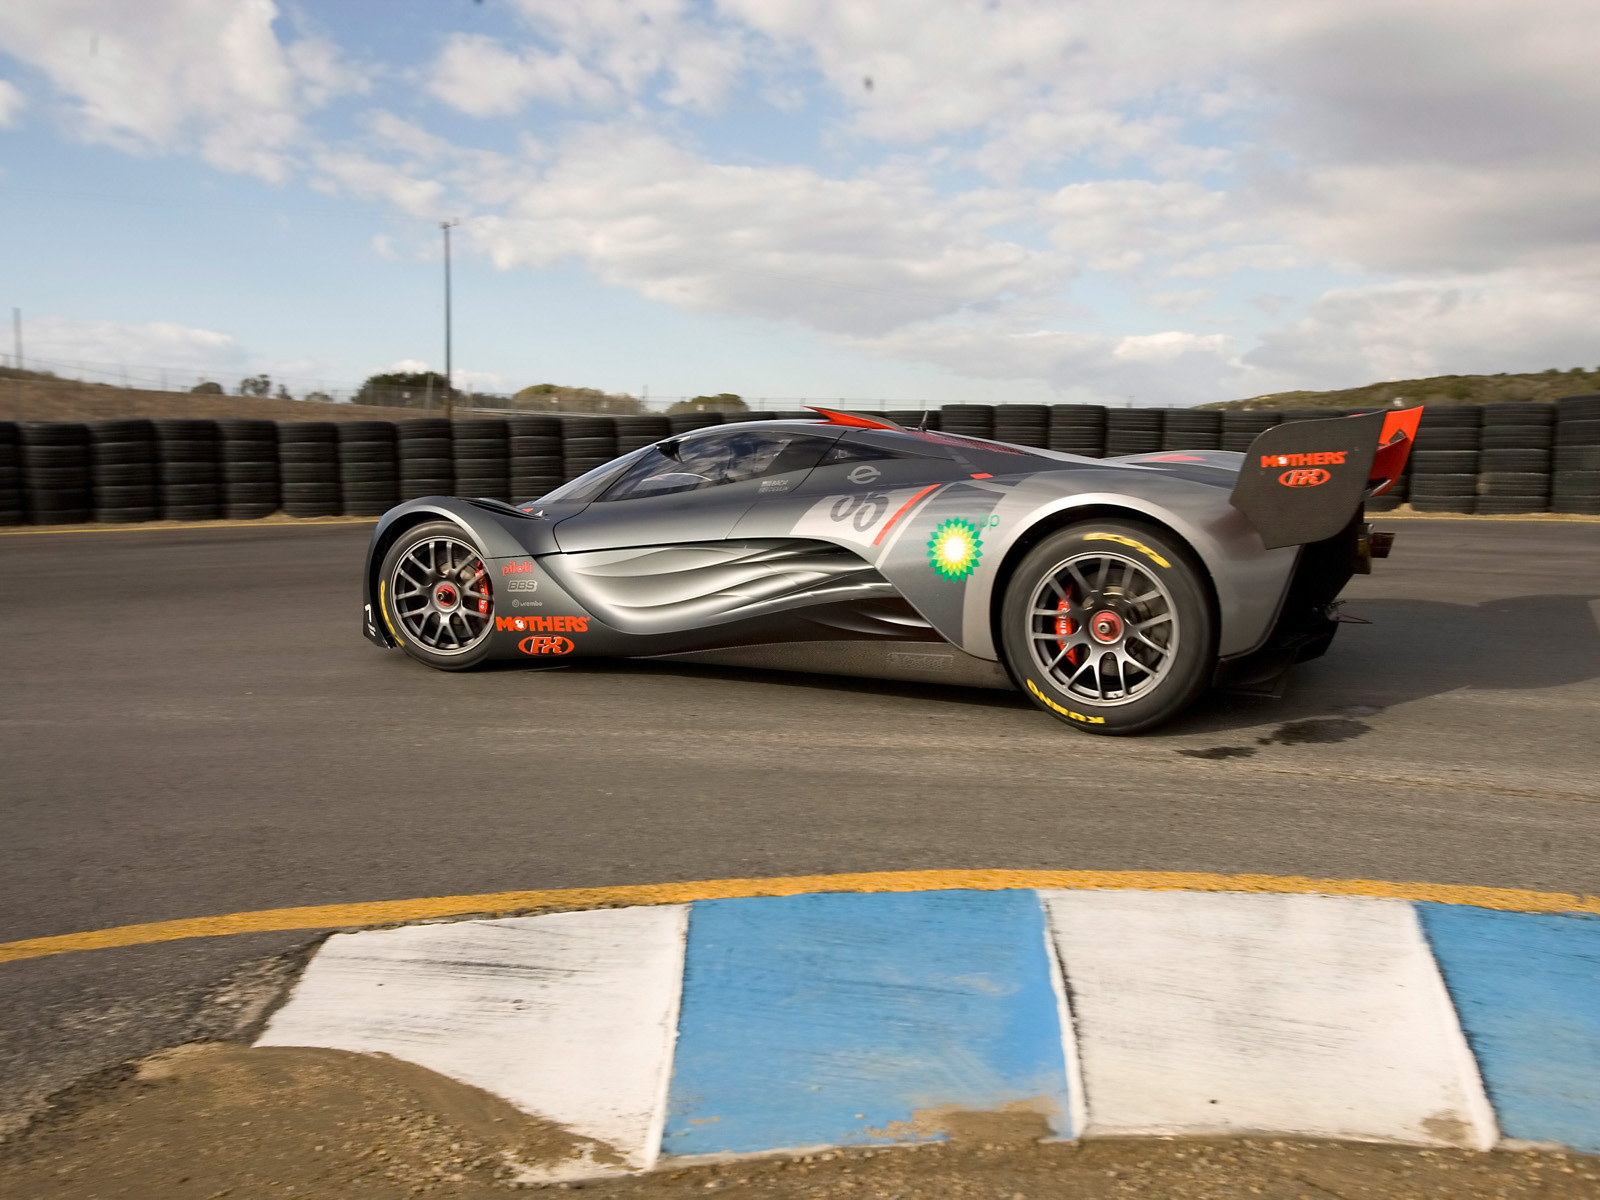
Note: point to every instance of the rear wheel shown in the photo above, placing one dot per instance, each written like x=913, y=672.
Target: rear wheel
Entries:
x=437, y=598
x=1106, y=625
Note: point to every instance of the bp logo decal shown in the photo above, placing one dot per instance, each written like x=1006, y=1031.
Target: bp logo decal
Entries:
x=954, y=548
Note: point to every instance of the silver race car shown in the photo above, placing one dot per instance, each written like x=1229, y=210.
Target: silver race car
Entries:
x=1112, y=592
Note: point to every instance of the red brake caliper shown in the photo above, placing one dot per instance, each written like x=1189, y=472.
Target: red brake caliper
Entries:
x=482, y=582
x=1066, y=627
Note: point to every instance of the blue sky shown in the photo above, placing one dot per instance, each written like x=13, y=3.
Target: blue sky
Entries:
x=1028, y=200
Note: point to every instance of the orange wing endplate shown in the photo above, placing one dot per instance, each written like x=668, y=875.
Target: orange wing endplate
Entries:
x=1394, y=447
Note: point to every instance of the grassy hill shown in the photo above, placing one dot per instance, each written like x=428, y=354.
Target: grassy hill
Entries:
x=1440, y=389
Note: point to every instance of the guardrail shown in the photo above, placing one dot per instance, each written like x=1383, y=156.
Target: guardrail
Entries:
x=1491, y=458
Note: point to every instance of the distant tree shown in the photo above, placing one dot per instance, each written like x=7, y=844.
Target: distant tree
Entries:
x=553, y=397
x=721, y=402
x=207, y=388
x=401, y=389
x=282, y=393
x=255, y=385
x=318, y=398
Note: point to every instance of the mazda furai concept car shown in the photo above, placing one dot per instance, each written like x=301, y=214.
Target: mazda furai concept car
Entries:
x=1111, y=592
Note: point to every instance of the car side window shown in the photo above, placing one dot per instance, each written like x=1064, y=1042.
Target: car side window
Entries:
x=861, y=448
x=710, y=460
x=845, y=450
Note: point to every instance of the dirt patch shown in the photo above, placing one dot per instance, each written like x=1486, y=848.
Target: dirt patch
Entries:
x=204, y=1122
x=213, y=1119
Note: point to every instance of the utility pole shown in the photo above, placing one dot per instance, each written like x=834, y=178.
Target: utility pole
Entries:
x=16, y=337
x=449, y=380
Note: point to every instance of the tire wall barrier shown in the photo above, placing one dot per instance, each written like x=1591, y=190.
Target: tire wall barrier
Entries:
x=1493, y=458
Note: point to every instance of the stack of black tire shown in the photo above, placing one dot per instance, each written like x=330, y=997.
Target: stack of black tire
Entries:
x=123, y=454
x=1191, y=429
x=1443, y=467
x=1078, y=429
x=587, y=443
x=635, y=432
x=1240, y=427
x=13, y=499
x=308, y=458
x=536, y=466
x=967, y=420
x=55, y=471
x=684, y=422
x=369, y=468
x=1576, y=478
x=1514, y=458
x=188, y=458
x=1022, y=424
x=425, y=464
x=480, y=448
x=249, y=456
x=1132, y=431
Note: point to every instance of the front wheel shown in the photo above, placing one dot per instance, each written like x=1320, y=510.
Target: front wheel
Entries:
x=436, y=596
x=1107, y=626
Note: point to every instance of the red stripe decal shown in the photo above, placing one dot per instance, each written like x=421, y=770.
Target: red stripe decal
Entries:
x=889, y=524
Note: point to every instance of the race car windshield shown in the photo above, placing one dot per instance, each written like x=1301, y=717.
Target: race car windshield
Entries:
x=710, y=460
x=591, y=483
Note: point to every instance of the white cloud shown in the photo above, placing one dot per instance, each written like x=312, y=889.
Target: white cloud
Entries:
x=1118, y=224
x=368, y=177
x=1442, y=156
x=102, y=350
x=1410, y=330
x=12, y=102
x=593, y=53
x=859, y=254
x=209, y=76
x=1167, y=368
x=478, y=76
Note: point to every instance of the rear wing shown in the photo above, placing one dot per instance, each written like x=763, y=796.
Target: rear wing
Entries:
x=1303, y=481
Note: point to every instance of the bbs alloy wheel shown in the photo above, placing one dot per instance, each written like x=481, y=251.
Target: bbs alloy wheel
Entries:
x=1107, y=626
x=437, y=597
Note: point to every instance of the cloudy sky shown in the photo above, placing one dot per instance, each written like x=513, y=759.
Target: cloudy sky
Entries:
x=1154, y=201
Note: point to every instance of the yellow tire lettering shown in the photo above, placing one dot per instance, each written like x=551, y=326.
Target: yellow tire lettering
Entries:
x=1065, y=712
x=1127, y=541
x=383, y=607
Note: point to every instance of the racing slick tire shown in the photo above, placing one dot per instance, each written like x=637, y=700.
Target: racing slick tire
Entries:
x=436, y=596
x=1108, y=626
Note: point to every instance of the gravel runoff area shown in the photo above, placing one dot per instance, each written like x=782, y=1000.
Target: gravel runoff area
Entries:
x=213, y=1120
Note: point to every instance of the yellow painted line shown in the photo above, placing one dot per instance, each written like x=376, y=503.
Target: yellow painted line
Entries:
x=391, y=912
x=164, y=526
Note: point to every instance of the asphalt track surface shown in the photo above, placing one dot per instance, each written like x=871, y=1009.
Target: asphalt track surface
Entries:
x=193, y=725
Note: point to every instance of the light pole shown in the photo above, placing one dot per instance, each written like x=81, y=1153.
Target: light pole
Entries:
x=449, y=384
